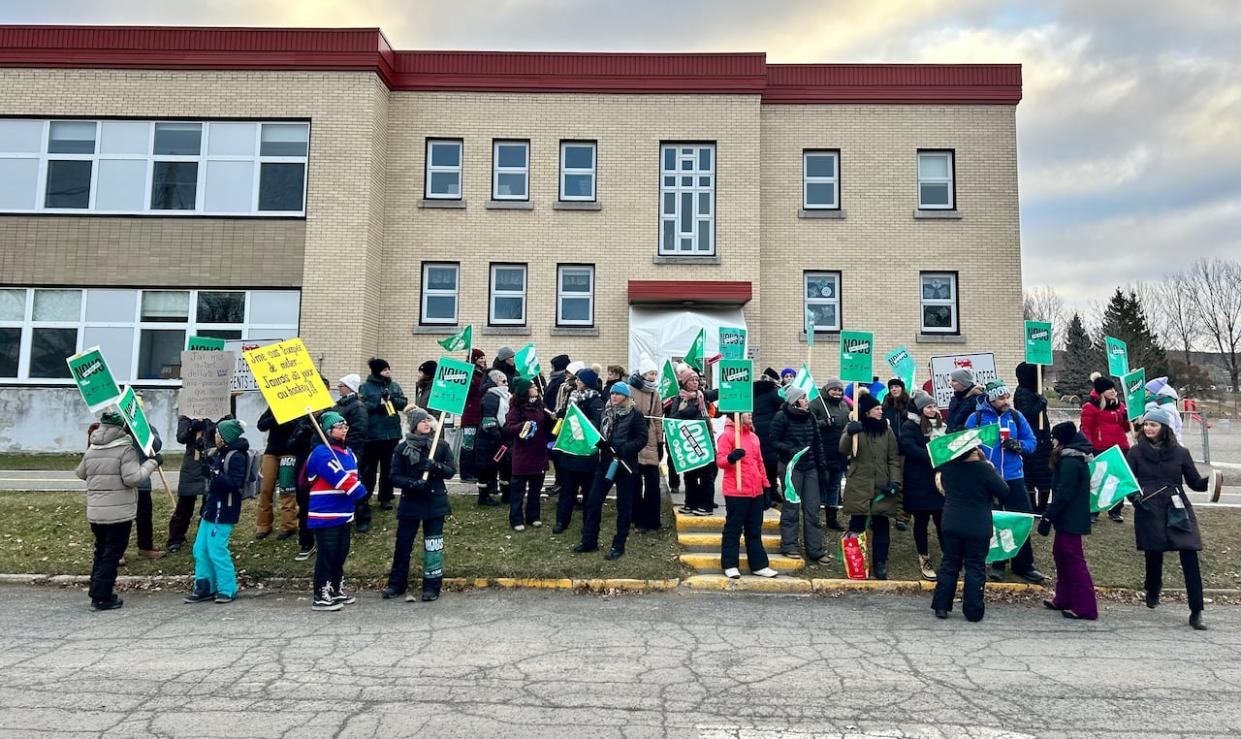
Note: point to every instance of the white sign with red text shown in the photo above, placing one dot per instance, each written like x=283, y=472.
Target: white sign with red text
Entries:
x=982, y=365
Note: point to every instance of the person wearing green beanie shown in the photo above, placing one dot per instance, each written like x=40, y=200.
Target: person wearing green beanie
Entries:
x=330, y=420
x=215, y=577
x=335, y=489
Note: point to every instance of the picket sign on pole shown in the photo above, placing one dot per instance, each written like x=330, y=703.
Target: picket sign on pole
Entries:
x=857, y=400
x=435, y=441
x=310, y=415
x=167, y=489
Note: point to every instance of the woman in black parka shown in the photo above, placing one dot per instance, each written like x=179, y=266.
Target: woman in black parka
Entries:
x=1037, y=464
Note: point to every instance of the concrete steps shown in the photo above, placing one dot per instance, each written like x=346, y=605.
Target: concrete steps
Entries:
x=700, y=537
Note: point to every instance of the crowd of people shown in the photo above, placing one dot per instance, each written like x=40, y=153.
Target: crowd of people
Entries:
x=859, y=462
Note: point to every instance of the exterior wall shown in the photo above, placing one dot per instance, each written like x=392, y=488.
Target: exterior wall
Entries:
x=879, y=247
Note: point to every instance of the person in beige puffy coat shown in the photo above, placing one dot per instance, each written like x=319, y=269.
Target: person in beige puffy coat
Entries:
x=112, y=473
x=645, y=384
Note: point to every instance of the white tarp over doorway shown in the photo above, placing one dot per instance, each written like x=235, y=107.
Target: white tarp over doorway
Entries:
x=666, y=333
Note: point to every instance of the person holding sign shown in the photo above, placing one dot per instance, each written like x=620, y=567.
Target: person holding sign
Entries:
x=831, y=414
x=420, y=474
x=215, y=578
x=529, y=425
x=793, y=430
x=743, y=502
x=1069, y=513
x=971, y=486
x=920, y=497
x=577, y=471
x=384, y=400
x=873, y=482
x=690, y=404
x=1105, y=423
x=624, y=436
x=1163, y=519
x=491, y=454
x=332, y=472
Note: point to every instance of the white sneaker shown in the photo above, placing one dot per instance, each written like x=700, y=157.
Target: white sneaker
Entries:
x=732, y=573
x=766, y=572
x=326, y=605
x=537, y=524
x=519, y=527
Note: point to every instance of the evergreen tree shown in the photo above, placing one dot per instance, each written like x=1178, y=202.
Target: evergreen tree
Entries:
x=1080, y=359
x=1125, y=319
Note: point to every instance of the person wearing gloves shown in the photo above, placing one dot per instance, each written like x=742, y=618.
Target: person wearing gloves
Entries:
x=1105, y=424
x=492, y=459
x=1163, y=518
x=645, y=388
x=578, y=471
x=873, y=480
x=793, y=430
x=971, y=486
x=424, y=383
x=832, y=415
x=624, y=436
x=1069, y=513
x=743, y=503
x=384, y=401
x=1037, y=464
x=966, y=395
x=921, y=498
x=197, y=435
x=690, y=404
x=332, y=474
x=1016, y=439
x=767, y=403
x=112, y=472
x=215, y=578
x=529, y=425
x=420, y=474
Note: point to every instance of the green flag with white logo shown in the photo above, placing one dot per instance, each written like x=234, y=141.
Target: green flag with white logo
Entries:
x=578, y=435
x=527, y=361
x=668, y=383
x=1008, y=532
x=805, y=381
x=689, y=444
x=790, y=490
x=697, y=352
x=459, y=342
x=1110, y=480
x=950, y=446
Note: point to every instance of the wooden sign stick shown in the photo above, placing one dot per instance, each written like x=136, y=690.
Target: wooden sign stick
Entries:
x=737, y=445
x=435, y=440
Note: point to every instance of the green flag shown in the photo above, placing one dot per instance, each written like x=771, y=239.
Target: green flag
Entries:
x=451, y=386
x=1117, y=356
x=578, y=435
x=136, y=419
x=1110, y=479
x=950, y=446
x=1008, y=532
x=1038, y=342
x=689, y=444
x=460, y=342
x=790, y=490
x=668, y=383
x=857, y=352
x=805, y=381
x=697, y=351
x=1133, y=385
x=527, y=361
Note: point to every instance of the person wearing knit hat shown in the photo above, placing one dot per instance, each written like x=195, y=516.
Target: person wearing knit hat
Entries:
x=960, y=378
x=831, y=413
x=919, y=496
x=230, y=430
x=424, y=383
x=471, y=416
x=965, y=396
x=112, y=418
x=770, y=373
x=560, y=362
x=560, y=375
x=873, y=480
x=1105, y=423
x=1069, y=513
x=384, y=401
x=624, y=435
x=492, y=459
x=787, y=374
x=895, y=406
x=793, y=429
x=505, y=352
x=506, y=362
x=529, y=425
x=792, y=394
x=1161, y=415
x=1030, y=402
x=335, y=489
x=620, y=388
x=690, y=404
x=353, y=409
x=330, y=420
x=644, y=390
x=577, y=472
x=215, y=577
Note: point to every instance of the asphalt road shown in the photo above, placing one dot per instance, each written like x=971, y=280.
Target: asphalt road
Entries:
x=529, y=663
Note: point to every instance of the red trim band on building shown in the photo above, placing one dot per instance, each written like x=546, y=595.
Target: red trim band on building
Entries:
x=367, y=50
x=664, y=292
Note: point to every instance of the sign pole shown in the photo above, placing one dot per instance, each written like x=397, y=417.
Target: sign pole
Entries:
x=327, y=443
x=1039, y=387
x=171, y=498
x=737, y=445
x=435, y=441
x=857, y=401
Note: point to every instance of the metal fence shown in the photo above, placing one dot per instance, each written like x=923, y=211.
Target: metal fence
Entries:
x=1195, y=428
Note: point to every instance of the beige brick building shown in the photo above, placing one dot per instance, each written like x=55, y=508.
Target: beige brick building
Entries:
x=252, y=184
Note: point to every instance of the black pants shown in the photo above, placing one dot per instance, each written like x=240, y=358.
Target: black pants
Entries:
x=377, y=456
x=743, y=515
x=771, y=492
x=1018, y=501
x=179, y=523
x=332, y=547
x=922, y=520
x=674, y=480
x=572, y=482
x=592, y=516
x=465, y=460
x=497, y=475
x=305, y=534
x=110, y=542
x=968, y=553
x=1189, y=566
x=648, y=509
x=699, y=492
x=144, y=523
x=525, y=494
x=432, y=554
x=880, y=537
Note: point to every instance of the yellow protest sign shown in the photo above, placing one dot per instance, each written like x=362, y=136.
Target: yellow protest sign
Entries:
x=288, y=379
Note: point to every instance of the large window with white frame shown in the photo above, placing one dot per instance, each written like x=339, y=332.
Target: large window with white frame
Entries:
x=687, y=199
x=939, y=303
x=821, y=179
x=443, y=169
x=439, y=292
x=575, y=295
x=510, y=170
x=577, y=170
x=821, y=292
x=508, y=295
x=143, y=167
x=141, y=332
x=936, y=175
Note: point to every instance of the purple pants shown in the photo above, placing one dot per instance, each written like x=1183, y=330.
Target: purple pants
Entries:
x=1074, y=586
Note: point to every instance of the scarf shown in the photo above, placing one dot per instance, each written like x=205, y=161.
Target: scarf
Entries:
x=613, y=413
x=501, y=393
x=695, y=396
x=417, y=447
x=650, y=385
x=577, y=397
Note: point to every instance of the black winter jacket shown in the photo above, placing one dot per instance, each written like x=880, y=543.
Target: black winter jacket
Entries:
x=832, y=417
x=627, y=437
x=970, y=489
x=279, y=435
x=767, y=404
x=1069, y=509
x=198, y=436
x=223, y=503
x=422, y=499
x=919, y=489
x=354, y=411
x=1159, y=471
x=1033, y=406
x=795, y=429
x=961, y=406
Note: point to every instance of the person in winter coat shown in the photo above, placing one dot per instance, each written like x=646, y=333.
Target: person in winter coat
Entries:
x=971, y=486
x=560, y=374
x=506, y=362
x=1105, y=424
x=1016, y=439
x=578, y=471
x=112, y=472
x=767, y=404
x=895, y=406
x=644, y=384
x=832, y=415
x=385, y=400
x=1163, y=519
x=277, y=458
x=214, y=575
x=196, y=434
x=1037, y=464
x=302, y=444
x=1069, y=513
x=529, y=425
x=690, y=404
x=353, y=409
x=873, y=480
x=335, y=489
x=492, y=459
x=793, y=430
x=743, y=504
x=422, y=386
x=471, y=416
x=624, y=436
x=966, y=395
x=921, y=498
x=420, y=474
x=1160, y=393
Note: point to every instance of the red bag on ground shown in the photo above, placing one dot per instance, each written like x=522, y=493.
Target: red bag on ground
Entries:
x=853, y=554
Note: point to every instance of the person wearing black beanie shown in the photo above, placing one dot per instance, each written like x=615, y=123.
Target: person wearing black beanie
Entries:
x=1031, y=404
x=1069, y=513
x=384, y=401
x=873, y=479
x=422, y=387
x=1105, y=424
x=895, y=405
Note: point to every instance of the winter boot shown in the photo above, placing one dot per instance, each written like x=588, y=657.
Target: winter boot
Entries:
x=484, y=496
x=833, y=521
x=202, y=592
x=505, y=491
x=924, y=564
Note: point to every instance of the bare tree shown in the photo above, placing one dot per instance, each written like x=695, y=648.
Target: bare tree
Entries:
x=1175, y=316
x=1043, y=303
x=1214, y=287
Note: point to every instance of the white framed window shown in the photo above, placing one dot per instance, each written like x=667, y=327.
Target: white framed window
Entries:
x=939, y=304
x=821, y=179
x=443, y=180
x=508, y=295
x=575, y=295
x=577, y=170
x=510, y=178
x=687, y=199
x=141, y=332
x=821, y=292
x=144, y=167
x=439, y=292
x=936, y=188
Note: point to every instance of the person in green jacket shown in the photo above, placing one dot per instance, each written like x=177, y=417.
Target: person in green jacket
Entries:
x=874, y=478
x=384, y=402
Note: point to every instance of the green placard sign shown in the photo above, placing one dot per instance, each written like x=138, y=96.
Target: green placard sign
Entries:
x=732, y=342
x=950, y=446
x=1134, y=385
x=903, y=366
x=204, y=344
x=1110, y=480
x=689, y=444
x=1038, y=342
x=94, y=379
x=1009, y=532
x=1117, y=356
x=857, y=354
x=736, y=386
x=135, y=418
x=451, y=386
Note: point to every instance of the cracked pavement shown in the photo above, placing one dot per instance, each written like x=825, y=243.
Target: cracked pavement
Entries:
x=550, y=664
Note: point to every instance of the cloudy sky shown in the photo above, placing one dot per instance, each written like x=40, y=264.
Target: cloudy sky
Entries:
x=1130, y=130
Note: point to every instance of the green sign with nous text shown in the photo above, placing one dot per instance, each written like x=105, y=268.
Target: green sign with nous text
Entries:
x=732, y=342
x=204, y=344
x=736, y=386
x=135, y=418
x=1117, y=356
x=451, y=386
x=903, y=365
x=1134, y=385
x=94, y=379
x=857, y=354
x=1038, y=342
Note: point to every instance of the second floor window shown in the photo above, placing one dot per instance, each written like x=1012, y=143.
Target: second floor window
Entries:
x=508, y=295
x=577, y=170
x=511, y=164
x=935, y=181
x=443, y=169
x=687, y=199
x=820, y=180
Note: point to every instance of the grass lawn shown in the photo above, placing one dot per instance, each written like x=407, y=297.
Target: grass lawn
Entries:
x=61, y=462
x=47, y=533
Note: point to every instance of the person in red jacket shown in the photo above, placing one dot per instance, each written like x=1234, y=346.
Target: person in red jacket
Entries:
x=744, y=505
x=1105, y=423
